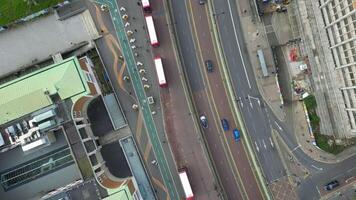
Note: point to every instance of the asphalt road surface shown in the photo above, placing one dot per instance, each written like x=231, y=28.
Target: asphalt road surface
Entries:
x=252, y=107
x=256, y=119
x=183, y=135
x=209, y=94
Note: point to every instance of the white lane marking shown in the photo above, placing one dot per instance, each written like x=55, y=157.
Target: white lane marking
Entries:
x=240, y=100
x=318, y=168
x=238, y=44
x=264, y=144
x=270, y=140
x=351, y=169
x=318, y=190
x=258, y=149
x=280, y=128
x=295, y=148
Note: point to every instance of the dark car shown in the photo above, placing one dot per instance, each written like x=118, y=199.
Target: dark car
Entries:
x=202, y=2
x=225, y=124
x=203, y=121
x=331, y=185
x=209, y=65
x=236, y=134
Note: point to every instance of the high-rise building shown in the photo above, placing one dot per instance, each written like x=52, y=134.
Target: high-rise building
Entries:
x=335, y=80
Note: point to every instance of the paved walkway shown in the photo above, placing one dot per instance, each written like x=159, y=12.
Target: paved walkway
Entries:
x=305, y=140
x=346, y=192
x=256, y=38
x=297, y=118
x=282, y=190
x=163, y=165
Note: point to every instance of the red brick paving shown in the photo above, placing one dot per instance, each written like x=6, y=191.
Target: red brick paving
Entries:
x=283, y=190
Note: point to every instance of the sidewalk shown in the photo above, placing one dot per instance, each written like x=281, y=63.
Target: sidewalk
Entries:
x=295, y=107
x=256, y=38
x=345, y=192
x=305, y=140
x=285, y=187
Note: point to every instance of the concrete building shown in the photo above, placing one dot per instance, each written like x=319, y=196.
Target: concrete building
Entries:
x=333, y=47
x=45, y=135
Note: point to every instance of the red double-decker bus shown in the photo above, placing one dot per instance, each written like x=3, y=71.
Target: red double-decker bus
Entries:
x=186, y=184
x=146, y=5
x=151, y=31
x=160, y=71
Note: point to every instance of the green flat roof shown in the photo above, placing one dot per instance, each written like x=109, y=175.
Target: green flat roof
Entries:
x=27, y=94
x=121, y=193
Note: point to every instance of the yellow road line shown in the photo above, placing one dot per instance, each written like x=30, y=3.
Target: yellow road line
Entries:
x=238, y=179
x=257, y=170
x=231, y=103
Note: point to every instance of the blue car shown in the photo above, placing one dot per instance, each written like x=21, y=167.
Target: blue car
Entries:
x=236, y=134
x=225, y=124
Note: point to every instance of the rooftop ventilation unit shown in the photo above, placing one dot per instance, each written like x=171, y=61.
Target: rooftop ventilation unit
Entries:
x=44, y=116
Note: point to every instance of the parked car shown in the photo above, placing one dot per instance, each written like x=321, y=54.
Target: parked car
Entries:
x=225, y=124
x=209, y=65
x=236, y=134
x=202, y=2
x=203, y=121
x=331, y=185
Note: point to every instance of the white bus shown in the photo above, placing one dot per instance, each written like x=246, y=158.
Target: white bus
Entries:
x=146, y=5
x=151, y=31
x=186, y=184
x=160, y=72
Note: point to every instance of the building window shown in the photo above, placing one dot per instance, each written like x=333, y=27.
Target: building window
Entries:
x=89, y=78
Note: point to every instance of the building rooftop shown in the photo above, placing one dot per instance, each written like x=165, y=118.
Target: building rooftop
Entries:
x=34, y=119
x=38, y=39
x=32, y=91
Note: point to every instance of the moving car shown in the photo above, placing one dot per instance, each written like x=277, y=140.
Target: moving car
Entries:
x=225, y=124
x=203, y=121
x=236, y=134
x=209, y=65
x=331, y=185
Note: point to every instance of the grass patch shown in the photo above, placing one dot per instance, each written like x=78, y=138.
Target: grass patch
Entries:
x=100, y=72
x=12, y=10
x=321, y=140
x=314, y=120
x=310, y=102
x=85, y=168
